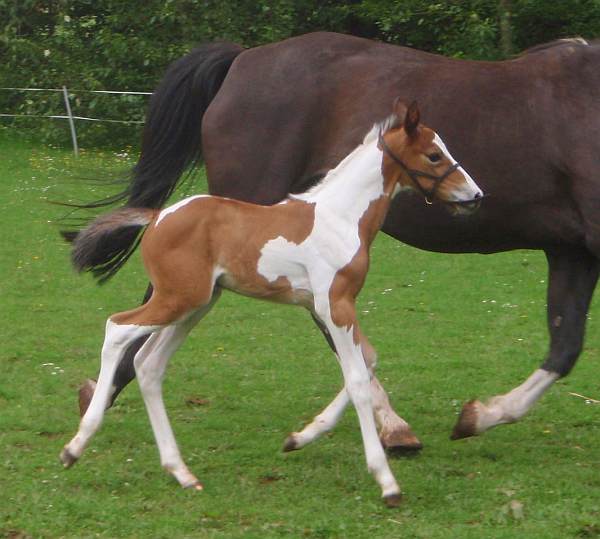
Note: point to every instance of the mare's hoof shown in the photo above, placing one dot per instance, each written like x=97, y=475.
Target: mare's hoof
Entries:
x=393, y=500
x=67, y=458
x=466, y=426
x=401, y=443
x=86, y=391
x=290, y=444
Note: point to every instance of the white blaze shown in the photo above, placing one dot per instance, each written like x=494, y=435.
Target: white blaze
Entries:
x=468, y=191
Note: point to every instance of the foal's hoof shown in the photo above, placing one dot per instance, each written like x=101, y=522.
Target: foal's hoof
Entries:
x=466, y=425
x=290, y=444
x=393, y=500
x=196, y=485
x=67, y=458
x=86, y=391
x=400, y=443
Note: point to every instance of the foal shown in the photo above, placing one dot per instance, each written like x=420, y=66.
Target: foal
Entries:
x=310, y=249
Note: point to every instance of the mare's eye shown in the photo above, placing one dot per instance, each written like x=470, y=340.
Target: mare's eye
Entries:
x=434, y=157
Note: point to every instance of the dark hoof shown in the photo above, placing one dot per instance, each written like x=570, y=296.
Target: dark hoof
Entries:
x=399, y=444
x=393, y=500
x=67, y=458
x=290, y=444
x=86, y=391
x=466, y=426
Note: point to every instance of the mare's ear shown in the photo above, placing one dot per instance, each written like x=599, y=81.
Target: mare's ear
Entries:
x=412, y=119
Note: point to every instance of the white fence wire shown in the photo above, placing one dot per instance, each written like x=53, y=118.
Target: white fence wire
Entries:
x=67, y=103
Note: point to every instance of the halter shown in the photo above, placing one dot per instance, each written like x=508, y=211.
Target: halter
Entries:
x=415, y=174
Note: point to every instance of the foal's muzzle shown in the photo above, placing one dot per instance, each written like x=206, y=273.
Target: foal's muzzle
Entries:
x=461, y=206
x=466, y=207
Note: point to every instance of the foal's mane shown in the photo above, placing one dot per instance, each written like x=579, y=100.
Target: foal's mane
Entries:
x=379, y=128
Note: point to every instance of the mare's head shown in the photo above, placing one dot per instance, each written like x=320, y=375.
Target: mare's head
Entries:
x=415, y=157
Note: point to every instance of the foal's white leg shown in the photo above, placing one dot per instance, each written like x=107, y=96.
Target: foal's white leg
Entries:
x=117, y=339
x=321, y=424
x=395, y=433
x=150, y=365
x=357, y=384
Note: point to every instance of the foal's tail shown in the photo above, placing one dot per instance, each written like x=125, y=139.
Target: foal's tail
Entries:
x=92, y=244
x=171, y=145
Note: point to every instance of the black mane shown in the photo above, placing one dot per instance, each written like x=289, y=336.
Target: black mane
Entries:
x=567, y=41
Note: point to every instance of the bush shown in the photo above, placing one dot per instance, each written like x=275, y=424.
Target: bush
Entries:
x=115, y=45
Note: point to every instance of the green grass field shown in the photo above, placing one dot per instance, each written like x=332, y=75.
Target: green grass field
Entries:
x=447, y=328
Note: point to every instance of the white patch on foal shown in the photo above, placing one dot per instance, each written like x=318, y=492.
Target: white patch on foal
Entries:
x=173, y=208
x=329, y=247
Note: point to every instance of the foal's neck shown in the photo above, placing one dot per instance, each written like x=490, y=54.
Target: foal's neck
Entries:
x=355, y=193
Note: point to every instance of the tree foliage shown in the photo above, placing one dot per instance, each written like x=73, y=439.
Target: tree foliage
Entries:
x=116, y=45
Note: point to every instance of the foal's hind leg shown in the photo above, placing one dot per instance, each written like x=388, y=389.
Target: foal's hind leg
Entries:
x=150, y=365
x=395, y=433
x=116, y=341
x=124, y=373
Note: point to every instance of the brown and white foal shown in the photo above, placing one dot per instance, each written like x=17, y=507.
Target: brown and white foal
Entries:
x=310, y=249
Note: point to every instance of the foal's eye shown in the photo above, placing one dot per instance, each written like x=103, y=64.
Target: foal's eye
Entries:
x=434, y=157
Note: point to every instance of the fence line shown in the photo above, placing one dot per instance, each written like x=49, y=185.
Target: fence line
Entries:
x=64, y=117
x=69, y=116
x=77, y=91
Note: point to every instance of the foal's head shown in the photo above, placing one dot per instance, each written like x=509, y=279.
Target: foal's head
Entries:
x=416, y=158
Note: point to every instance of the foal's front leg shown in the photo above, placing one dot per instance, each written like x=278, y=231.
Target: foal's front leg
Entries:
x=345, y=334
x=395, y=433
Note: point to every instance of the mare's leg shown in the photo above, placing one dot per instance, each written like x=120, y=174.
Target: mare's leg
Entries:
x=124, y=374
x=346, y=338
x=572, y=279
x=395, y=433
x=150, y=365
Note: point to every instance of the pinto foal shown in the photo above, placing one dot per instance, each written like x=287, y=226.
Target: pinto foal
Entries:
x=310, y=249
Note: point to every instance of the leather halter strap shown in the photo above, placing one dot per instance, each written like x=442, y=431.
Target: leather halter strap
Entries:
x=413, y=174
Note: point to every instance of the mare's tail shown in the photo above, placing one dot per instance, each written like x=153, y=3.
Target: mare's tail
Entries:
x=96, y=241
x=171, y=145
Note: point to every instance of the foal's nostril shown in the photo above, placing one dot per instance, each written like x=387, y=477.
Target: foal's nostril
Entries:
x=478, y=195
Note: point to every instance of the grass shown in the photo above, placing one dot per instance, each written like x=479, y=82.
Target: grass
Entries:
x=447, y=328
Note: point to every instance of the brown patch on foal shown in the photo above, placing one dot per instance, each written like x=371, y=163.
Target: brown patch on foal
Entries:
x=240, y=254
x=419, y=146
x=182, y=252
x=349, y=280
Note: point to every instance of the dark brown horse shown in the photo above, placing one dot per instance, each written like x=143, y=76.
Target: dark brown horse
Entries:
x=528, y=129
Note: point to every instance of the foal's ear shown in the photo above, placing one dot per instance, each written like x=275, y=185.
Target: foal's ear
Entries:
x=399, y=109
x=412, y=119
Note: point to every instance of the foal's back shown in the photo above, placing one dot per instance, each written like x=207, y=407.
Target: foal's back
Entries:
x=206, y=240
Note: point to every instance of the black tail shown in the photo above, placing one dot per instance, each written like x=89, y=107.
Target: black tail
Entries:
x=172, y=138
x=97, y=240
x=171, y=144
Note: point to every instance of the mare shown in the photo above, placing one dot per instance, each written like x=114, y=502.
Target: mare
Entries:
x=528, y=128
x=310, y=250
